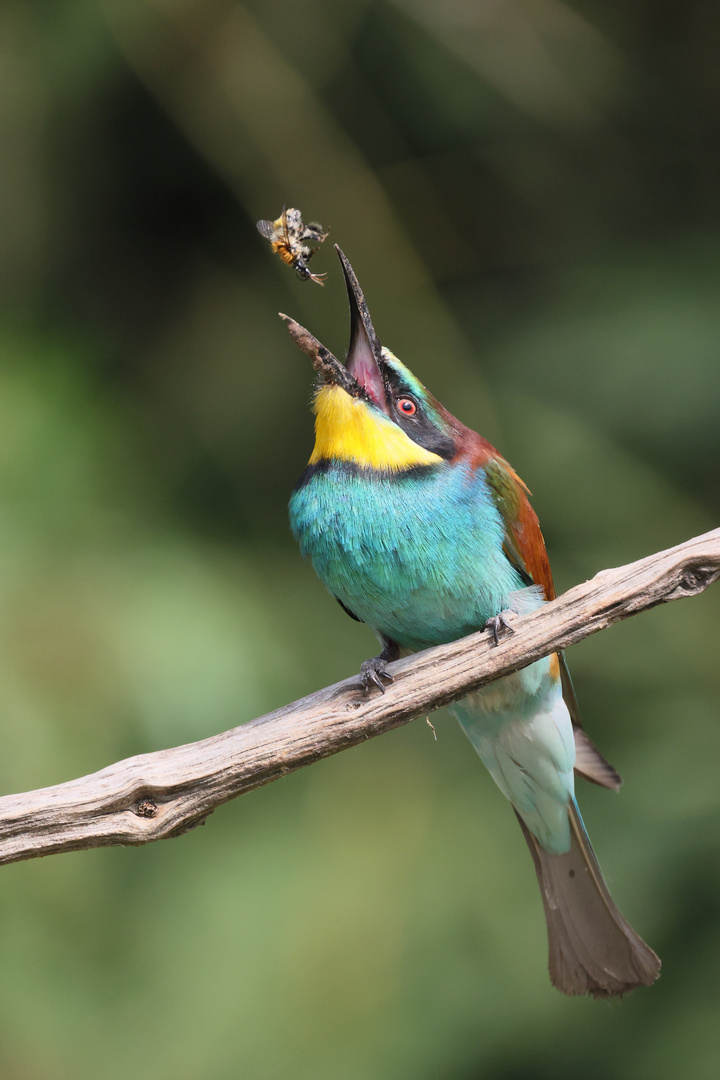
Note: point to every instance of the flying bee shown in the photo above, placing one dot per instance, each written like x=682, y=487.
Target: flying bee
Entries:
x=292, y=241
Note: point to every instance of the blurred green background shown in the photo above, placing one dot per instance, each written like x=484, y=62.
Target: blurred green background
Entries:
x=529, y=193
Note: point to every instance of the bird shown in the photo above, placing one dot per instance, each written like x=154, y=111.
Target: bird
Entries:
x=422, y=530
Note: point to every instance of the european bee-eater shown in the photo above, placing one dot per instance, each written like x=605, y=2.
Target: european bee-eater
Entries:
x=422, y=530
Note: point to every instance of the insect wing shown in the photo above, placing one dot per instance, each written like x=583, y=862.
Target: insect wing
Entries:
x=266, y=229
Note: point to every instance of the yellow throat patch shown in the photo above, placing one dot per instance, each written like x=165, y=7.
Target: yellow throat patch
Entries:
x=348, y=429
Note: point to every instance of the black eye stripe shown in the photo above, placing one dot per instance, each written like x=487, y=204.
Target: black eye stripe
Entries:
x=417, y=425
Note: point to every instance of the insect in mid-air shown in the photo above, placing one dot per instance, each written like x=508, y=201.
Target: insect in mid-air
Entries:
x=291, y=239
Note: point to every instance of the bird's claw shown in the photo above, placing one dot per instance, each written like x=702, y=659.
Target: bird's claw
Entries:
x=372, y=673
x=498, y=625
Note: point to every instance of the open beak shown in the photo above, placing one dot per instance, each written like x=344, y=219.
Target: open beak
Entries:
x=365, y=353
x=361, y=376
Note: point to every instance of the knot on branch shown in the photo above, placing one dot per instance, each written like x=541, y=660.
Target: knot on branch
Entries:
x=146, y=808
x=693, y=580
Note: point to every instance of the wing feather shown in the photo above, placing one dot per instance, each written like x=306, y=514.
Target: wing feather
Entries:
x=524, y=543
x=525, y=548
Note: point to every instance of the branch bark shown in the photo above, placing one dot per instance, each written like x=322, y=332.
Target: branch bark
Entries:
x=164, y=794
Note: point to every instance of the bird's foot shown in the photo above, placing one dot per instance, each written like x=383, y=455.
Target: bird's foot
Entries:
x=372, y=673
x=498, y=626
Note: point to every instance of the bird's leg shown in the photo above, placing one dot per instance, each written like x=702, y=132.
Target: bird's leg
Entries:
x=498, y=626
x=373, y=671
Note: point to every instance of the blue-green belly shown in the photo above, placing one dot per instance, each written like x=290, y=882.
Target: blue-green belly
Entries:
x=420, y=559
x=418, y=556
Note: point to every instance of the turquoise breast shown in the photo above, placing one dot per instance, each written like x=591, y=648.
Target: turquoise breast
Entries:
x=416, y=555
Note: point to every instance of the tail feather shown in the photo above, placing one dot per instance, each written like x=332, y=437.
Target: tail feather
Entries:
x=591, y=764
x=593, y=949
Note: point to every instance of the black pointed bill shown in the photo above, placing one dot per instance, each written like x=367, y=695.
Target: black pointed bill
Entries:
x=333, y=372
x=365, y=352
x=362, y=375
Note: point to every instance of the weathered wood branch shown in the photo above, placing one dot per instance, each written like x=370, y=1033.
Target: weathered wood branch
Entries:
x=164, y=794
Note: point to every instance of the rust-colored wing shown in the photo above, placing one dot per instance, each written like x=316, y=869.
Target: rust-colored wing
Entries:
x=524, y=544
x=525, y=548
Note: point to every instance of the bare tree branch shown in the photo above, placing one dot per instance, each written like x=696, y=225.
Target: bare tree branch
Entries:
x=164, y=794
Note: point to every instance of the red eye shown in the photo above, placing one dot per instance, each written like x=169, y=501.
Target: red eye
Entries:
x=407, y=406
